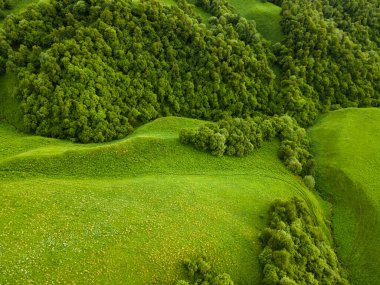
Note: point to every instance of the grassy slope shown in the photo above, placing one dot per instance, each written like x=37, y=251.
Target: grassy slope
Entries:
x=266, y=15
x=347, y=147
x=130, y=211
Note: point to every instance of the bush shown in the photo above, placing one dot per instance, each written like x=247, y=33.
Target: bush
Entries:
x=295, y=249
x=309, y=181
x=240, y=137
x=233, y=136
x=201, y=272
x=2, y=14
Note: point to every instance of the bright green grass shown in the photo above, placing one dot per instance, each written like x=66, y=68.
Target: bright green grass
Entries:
x=129, y=212
x=347, y=149
x=266, y=15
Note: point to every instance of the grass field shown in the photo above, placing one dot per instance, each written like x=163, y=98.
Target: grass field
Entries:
x=346, y=144
x=130, y=211
x=266, y=15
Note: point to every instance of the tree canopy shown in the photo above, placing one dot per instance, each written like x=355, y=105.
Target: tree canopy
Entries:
x=91, y=71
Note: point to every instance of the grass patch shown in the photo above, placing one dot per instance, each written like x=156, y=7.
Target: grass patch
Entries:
x=266, y=15
x=130, y=211
x=346, y=147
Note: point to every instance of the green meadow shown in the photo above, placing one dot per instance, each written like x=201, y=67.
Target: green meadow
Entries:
x=346, y=147
x=130, y=212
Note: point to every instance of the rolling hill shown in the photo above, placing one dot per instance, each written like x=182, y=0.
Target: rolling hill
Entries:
x=129, y=212
x=346, y=147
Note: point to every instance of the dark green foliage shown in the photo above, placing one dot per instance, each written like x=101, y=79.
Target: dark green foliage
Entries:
x=92, y=71
x=296, y=250
x=215, y=7
x=2, y=14
x=230, y=136
x=323, y=66
x=241, y=137
x=360, y=19
x=5, y=5
x=201, y=272
x=295, y=146
x=4, y=49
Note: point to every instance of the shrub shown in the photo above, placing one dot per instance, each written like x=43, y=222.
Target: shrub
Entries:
x=240, y=137
x=295, y=250
x=201, y=272
x=309, y=181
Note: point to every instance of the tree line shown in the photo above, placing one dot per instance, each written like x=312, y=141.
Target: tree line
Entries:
x=91, y=71
x=240, y=137
x=94, y=70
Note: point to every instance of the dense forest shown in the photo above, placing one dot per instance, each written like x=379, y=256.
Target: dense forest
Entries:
x=323, y=66
x=91, y=71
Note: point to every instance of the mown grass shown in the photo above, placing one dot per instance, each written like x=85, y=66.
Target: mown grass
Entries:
x=347, y=147
x=130, y=211
x=266, y=15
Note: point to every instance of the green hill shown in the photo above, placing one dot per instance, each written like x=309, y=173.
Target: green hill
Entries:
x=132, y=210
x=129, y=212
x=346, y=145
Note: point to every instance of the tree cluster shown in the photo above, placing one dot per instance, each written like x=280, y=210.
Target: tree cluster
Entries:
x=233, y=136
x=324, y=66
x=94, y=70
x=359, y=18
x=295, y=148
x=296, y=250
x=201, y=273
x=91, y=71
x=240, y=137
x=4, y=49
x=215, y=7
x=4, y=5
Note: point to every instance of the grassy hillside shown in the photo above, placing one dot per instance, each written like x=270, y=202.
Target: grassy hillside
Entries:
x=346, y=145
x=130, y=211
x=266, y=15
